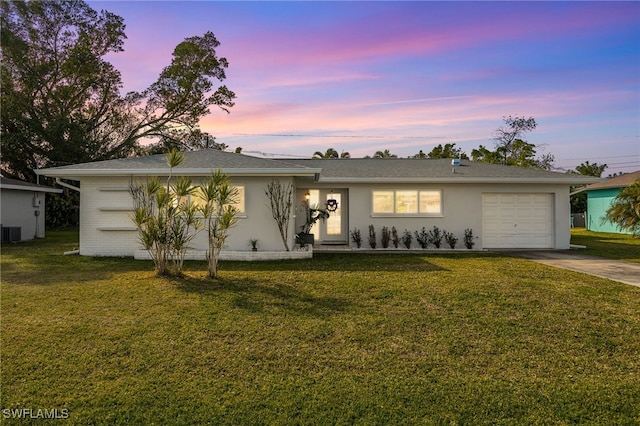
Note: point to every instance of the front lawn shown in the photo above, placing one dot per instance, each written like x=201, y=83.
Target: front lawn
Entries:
x=340, y=339
x=612, y=246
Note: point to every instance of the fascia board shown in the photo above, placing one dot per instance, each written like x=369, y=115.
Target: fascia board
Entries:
x=69, y=173
x=32, y=188
x=549, y=181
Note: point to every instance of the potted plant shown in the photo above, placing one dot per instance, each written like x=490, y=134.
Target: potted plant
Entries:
x=312, y=215
x=254, y=244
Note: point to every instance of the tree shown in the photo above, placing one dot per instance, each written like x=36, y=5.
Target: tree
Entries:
x=219, y=215
x=166, y=218
x=588, y=169
x=182, y=140
x=579, y=200
x=449, y=150
x=625, y=209
x=384, y=154
x=512, y=131
x=281, y=201
x=61, y=100
x=511, y=149
x=331, y=153
x=484, y=155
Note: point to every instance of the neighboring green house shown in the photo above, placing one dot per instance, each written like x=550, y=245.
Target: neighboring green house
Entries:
x=599, y=198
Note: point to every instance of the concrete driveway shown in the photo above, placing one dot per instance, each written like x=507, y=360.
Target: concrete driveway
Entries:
x=628, y=273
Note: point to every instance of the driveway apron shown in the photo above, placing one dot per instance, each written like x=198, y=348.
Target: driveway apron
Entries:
x=628, y=273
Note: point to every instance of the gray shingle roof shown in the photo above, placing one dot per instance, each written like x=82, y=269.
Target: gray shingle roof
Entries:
x=329, y=170
x=419, y=169
x=617, y=182
x=197, y=162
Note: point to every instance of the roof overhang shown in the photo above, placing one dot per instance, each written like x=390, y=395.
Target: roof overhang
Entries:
x=469, y=180
x=32, y=188
x=178, y=171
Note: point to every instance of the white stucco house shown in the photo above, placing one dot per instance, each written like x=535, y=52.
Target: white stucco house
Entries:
x=22, y=209
x=506, y=207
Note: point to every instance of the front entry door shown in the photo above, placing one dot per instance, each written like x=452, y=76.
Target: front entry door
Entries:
x=335, y=229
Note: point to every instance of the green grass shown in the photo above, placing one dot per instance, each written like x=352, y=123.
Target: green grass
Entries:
x=612, y=246
x=339, y=339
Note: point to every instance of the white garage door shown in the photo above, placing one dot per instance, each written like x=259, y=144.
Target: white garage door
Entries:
x=517, y=220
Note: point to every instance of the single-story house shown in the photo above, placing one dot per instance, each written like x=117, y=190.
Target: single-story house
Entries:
x=599, y=198
x=505, y=207
x=23, y=207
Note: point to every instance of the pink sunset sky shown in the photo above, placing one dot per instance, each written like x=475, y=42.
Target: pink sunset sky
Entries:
x=406, y=76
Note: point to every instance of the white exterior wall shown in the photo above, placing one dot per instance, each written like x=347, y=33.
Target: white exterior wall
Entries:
x=107, y=230
x=18, y=210
x=462, y=209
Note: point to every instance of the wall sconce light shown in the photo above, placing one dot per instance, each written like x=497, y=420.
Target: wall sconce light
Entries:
x=307, y=196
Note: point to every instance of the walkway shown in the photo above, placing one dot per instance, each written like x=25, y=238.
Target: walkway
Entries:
x=624, y=272
x=628, y=273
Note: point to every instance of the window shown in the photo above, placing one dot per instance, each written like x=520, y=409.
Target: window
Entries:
x=334, y=222
x=383, y=202
x=430, y=202
x=197, y=199
x=407, y=202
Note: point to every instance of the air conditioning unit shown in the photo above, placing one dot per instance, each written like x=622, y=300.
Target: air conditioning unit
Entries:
x=11, y=233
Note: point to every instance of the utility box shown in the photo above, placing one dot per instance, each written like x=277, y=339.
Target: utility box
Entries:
x=11, y=234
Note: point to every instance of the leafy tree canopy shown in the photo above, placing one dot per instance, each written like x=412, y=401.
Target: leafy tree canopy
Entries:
x=182, y=140
x=588, y=169
x=331, y=153
x=449, y=150
x=384, y=154
x=511, y=149
x=61, y=98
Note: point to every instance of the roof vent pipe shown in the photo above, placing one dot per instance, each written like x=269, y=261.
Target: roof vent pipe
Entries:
x=454, y=162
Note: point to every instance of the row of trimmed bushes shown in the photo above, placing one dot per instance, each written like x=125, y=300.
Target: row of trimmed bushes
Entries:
x=435, y=237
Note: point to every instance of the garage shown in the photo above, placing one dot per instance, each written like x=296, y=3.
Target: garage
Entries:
x=517, y=220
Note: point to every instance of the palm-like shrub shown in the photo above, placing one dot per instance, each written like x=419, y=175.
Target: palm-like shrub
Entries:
x=168, y=220
x=625, y=209
x=219, y=214
x=165, y=217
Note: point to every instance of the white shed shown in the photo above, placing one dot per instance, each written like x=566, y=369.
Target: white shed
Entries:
x=22, y=206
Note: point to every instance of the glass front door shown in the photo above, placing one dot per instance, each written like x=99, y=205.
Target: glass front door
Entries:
x=333, y=230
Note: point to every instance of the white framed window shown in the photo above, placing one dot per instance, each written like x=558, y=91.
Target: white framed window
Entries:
x=383, y=202
x=406, y=202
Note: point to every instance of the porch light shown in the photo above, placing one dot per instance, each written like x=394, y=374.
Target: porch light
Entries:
x=307, y=196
